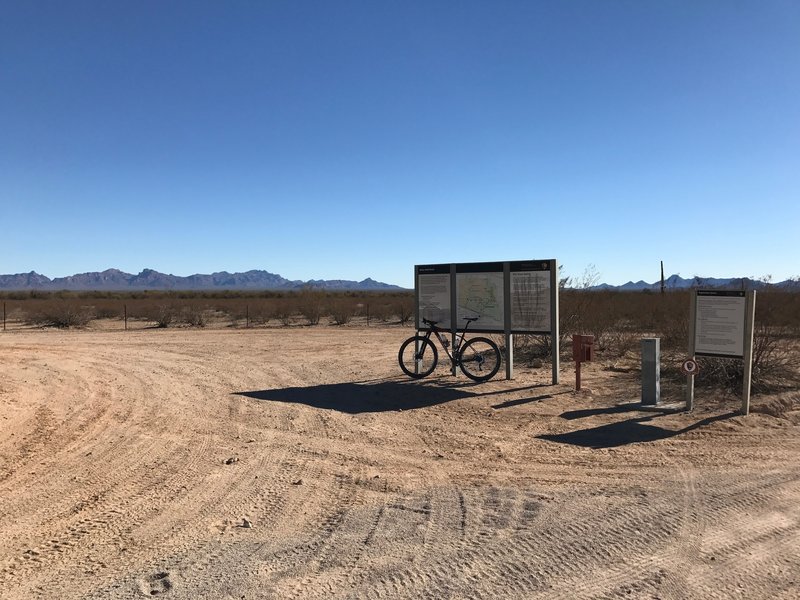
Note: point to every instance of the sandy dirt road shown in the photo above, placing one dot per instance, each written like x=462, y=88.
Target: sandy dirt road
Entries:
x=298, y=463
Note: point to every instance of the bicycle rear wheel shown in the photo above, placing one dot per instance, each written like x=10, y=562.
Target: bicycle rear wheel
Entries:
x=418, y=357
x=480, y=359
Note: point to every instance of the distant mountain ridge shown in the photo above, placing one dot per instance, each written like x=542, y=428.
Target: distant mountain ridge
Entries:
x=676, y=282
x=148, y=279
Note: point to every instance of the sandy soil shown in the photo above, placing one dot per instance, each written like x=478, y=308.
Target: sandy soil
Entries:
x=298, y=463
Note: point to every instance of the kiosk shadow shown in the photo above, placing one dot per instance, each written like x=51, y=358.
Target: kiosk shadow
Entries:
x=357, y=398
x=607, y=410
x=627, y=432
x=519, y=401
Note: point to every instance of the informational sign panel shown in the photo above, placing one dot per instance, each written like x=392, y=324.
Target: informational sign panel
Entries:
x=479, y=295
x=720, y=323
x=530, y=296
x=433, y=295
x=510, y=297
x=502, y=297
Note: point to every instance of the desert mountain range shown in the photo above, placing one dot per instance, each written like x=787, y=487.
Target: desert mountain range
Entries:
x=148, y=279
x=676, y=282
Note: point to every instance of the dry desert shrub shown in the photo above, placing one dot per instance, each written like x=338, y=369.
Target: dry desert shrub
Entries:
x=162, y=314
x=194, y=315
x=618, y=320
x=165, y=314
x=404, y=309
x=310, y=304
x=258, y=313
x=283, y=310
x=622, y=342
x=170, y=314
x=166, y=308
x=236, y=314
x=278, y=309
x=107, y=313
x=342, y=309
x=62, y=314
x=380, y=311
x=530, y=348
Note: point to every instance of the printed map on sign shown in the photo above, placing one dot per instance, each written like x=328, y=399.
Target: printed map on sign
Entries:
x=480, y=295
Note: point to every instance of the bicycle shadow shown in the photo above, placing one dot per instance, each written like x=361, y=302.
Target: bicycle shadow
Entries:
x=364, y=397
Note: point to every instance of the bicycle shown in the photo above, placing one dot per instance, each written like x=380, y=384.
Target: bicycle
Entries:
x=478, y=358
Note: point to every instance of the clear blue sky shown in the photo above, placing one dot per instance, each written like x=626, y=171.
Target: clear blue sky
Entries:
x=338, y=139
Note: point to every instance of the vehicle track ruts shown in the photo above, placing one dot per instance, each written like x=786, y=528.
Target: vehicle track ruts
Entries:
x=116, y=520
x=125, y=489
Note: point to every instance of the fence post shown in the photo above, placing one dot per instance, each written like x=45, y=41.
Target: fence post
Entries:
x=247, y=316
x=4, y=316
x=125, y=312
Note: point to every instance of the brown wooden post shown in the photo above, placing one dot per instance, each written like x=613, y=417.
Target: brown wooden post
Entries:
x=125, y=313
x=578, y=376
x=4, y=316
x=247, y=316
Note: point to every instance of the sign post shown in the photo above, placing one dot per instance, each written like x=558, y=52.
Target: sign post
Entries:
x=750, y=320
x=690, y=376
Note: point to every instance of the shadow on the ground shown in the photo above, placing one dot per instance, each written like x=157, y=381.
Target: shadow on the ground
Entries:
x=622, y=433
x=365, y=397
x=606, y=410
x=518, y=401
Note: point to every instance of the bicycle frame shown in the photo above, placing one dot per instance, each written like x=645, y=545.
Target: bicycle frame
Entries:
x=440, y=333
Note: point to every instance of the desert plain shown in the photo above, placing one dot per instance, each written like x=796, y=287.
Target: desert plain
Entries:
x=298, y=463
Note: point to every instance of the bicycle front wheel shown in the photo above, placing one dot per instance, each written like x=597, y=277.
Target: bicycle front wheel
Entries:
x=418, y=357
x=480, y=359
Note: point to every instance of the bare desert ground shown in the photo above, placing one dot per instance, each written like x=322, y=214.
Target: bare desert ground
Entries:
x=298, y=463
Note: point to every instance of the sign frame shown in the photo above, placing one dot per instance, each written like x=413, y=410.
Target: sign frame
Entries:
x=747, y=315
x=720, y=323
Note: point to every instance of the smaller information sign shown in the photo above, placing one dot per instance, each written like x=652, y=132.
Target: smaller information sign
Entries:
x=720, y=323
